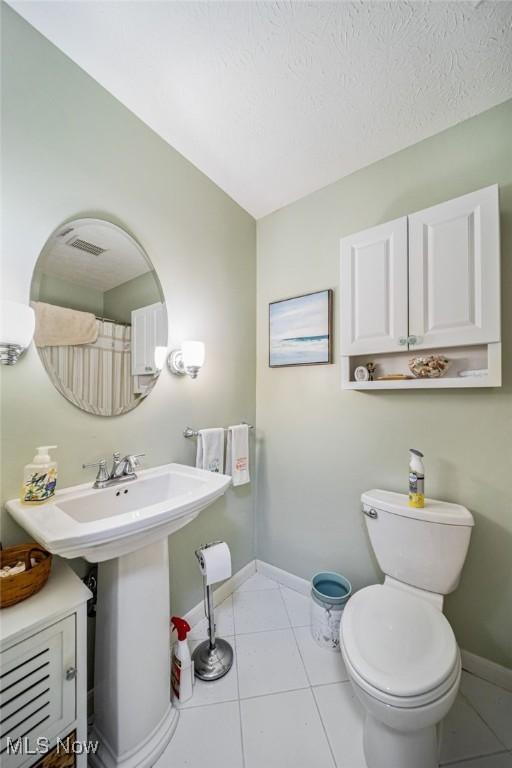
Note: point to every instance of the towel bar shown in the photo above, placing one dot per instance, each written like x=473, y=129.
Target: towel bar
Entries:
x=189, y=432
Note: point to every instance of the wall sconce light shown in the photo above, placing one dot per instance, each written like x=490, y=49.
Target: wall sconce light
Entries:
x=187, y=360
x=17, y=324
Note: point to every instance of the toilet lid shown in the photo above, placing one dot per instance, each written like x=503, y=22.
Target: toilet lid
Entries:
x=397, y=642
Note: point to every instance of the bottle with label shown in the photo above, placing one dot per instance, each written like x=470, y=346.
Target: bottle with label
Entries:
x=39, y=477
x=416, y=479
x=182, y=667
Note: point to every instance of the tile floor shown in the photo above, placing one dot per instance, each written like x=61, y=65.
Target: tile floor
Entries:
x=286, y=703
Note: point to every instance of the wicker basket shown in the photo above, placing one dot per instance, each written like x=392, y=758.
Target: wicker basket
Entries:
x=14, y=589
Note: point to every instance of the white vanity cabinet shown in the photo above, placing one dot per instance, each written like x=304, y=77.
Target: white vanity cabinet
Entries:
x=43, y=673
x=425, y=283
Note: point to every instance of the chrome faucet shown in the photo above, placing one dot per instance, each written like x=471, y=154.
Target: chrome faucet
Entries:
x=123, y=469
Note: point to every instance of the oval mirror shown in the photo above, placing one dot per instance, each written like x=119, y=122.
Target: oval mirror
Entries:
x=101, y=320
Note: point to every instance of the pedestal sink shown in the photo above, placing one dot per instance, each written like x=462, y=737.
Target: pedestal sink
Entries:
x=125, y=528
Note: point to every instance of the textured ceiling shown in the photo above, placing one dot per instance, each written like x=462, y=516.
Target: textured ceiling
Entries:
x=122, y=259
x=273, y=100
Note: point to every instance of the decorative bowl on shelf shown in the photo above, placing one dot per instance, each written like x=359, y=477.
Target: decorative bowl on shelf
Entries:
x=428, y=366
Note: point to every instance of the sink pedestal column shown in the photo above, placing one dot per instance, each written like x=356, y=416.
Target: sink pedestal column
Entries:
x=134, y=718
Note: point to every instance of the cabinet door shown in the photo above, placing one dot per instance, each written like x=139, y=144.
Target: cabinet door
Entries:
x=374, y=289
x=454, y=271
x=37, y=690
x=148, y=332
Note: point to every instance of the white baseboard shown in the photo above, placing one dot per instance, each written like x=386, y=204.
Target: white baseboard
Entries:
x=196, y=614
x=228, y=587
x=283, y=577
x=487, y=670
x=477, y=665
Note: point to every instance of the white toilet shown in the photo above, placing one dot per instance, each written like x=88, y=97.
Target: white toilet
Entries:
x=399, y=649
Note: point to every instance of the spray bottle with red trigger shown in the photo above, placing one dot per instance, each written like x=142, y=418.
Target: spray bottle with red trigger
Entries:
x=182, y=668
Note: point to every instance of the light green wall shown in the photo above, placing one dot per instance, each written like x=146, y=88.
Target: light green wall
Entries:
x=71, y=150
x=139, y=292
x=322, y=447
x=116, y=304
x=53, y=290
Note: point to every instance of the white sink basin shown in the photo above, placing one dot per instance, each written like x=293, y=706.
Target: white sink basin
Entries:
x=125, y=528
x=103, y=524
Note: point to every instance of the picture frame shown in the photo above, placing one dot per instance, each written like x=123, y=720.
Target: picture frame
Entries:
x=301, y=330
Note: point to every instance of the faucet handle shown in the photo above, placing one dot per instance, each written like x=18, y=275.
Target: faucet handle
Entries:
x=102, y=469
x=134, y=459
x=116, y=455
x=100, y=463
x=132, y=462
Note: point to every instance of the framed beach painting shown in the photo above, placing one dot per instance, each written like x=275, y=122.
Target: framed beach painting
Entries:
x=300, y=330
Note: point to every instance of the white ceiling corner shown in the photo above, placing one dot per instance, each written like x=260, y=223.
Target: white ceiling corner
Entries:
x=273, y=100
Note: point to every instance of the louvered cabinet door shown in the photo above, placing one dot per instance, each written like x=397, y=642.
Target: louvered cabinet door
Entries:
x=37, y=690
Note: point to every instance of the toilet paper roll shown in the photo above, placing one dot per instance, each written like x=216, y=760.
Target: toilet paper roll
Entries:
x=215, y=562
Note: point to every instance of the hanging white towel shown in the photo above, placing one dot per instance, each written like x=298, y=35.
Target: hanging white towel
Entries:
x=59, y=326
x=210, y=449
x=237, y=454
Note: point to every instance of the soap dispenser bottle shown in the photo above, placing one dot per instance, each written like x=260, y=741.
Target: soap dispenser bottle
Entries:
x=416, y=479
x=39, y=477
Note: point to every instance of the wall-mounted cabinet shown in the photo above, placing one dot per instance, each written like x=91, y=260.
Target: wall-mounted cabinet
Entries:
x=427, y=283
x=149, y=330
x=374, y=289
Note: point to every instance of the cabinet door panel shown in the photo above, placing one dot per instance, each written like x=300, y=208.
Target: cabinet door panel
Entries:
x=454, y=271
x=374, y=289
x=139, y=321
x=148, y=332
x=36, y=697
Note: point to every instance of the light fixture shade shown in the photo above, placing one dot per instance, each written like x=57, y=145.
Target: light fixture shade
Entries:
x=17, y=324
x=193, y=354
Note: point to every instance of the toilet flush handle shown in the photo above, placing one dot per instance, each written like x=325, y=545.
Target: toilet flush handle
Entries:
x=371, y=513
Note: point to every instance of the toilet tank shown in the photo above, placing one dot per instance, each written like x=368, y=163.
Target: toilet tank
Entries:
x=422, y=547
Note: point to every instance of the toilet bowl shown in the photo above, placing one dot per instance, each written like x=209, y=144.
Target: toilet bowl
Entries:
x=404, y=666
x=399, y=649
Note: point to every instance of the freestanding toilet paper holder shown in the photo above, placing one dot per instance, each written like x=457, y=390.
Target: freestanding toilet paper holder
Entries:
x=212, y=658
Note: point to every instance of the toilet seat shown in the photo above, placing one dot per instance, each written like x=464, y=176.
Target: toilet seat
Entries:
x=405, y=702
x=398, y=647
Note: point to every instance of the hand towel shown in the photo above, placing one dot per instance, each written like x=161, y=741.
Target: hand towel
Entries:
x=62, y=327
x=237, y=454
x=210, y=449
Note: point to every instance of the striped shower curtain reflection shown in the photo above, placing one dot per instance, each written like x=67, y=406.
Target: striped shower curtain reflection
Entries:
x=95, y=377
